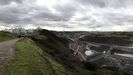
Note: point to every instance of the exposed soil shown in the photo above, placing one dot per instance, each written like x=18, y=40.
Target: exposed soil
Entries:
x=7, y=50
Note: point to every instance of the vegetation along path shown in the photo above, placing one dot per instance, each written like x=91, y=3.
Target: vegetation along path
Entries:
x=7, y=50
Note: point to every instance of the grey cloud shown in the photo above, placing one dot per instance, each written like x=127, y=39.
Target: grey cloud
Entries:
x=119, y=19
x=48, y=16
x=5, y=2
x=8, y=17
x=102, y=14
x=100, y=3
x=20, y=13
x=11, y=15
x=107, y=3
x=66, y=11
x=15, y=14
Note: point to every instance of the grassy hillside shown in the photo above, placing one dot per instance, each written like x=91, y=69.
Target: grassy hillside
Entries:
x=6, y=36
x=32, y=60
x=46, y=54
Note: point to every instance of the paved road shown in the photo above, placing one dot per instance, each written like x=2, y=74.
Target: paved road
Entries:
x=7, y=50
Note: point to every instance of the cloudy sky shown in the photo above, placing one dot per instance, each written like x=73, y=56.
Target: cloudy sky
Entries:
x=84, y=15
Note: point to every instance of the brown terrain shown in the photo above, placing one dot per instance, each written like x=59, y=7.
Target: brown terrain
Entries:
x=7, y=50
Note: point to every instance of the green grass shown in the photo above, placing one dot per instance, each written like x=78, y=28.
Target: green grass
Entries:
x=4, y=36
x=30, y=60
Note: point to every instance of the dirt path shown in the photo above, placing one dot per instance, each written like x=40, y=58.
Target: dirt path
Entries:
x=7, y=50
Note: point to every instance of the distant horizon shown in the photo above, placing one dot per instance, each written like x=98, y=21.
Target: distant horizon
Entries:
x=63, y=29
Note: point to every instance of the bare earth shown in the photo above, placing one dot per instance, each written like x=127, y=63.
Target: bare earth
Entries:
x=7, y=50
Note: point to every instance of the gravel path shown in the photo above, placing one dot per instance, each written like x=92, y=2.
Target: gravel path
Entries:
x=7, y=50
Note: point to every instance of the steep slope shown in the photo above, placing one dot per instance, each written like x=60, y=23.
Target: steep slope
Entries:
x=58, y=51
